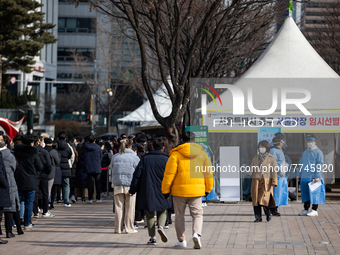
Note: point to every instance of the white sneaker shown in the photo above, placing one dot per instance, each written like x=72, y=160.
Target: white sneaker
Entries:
x=99, y=201
x=197, y=241
x=312, y=213
x=204, y=204
x=90, y=201
x=48, y=214
x=133, y=232
x=73, y=199
x=161, y=232
x=67, y=205
x=181, y=244
x=29, y=227
x=303, y=213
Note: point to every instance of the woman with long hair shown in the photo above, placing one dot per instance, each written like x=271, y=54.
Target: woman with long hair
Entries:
x=123, y=166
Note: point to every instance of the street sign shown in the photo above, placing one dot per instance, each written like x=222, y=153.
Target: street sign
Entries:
x=13, y=80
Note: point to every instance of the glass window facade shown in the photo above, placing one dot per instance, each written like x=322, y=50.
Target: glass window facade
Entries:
x=77, y=25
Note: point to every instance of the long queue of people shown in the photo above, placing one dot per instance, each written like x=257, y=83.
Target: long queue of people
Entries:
x=36, y=172
x=149, y=175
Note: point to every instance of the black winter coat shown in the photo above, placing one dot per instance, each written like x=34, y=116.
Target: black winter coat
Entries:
x=28, y=167
x=92, y=158
x=58, y=178
x=147, y=182
x=5, y=200
x=55, y=160
x=66, y=153
x=47, y=164
x=81, y=176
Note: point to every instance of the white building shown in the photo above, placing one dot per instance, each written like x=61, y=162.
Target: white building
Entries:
x=44, y=70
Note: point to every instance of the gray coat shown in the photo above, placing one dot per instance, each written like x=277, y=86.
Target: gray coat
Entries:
x=10, y=165
x=54, y=160
x=123, y=166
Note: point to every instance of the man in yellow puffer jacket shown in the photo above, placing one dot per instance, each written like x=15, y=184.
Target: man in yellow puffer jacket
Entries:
x=188, y=177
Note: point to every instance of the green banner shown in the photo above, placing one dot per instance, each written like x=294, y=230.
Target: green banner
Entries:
x=201, y=136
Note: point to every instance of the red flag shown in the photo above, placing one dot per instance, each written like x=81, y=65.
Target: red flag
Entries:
x=11, y=127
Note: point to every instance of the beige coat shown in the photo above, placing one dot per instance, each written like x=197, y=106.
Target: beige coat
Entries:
x=263, y=181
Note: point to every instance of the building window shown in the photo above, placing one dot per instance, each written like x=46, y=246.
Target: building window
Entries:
x=67, y=1
x=316, y=21
x=76, y=25
x=320, y=5
x=48, y=99
x=66, y=54
x=35, y=86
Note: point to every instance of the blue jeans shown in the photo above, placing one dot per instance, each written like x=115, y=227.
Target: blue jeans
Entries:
x=66, y=190
x=22, y=209
x=28, y=197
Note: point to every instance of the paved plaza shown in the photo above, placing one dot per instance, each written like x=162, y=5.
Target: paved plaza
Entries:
x=228, y=229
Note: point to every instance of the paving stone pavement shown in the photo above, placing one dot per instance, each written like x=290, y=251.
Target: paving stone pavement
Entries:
x=228, y=229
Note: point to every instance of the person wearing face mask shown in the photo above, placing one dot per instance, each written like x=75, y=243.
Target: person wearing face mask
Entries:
x=263, y=180
x=281, y=191
x=311, y=165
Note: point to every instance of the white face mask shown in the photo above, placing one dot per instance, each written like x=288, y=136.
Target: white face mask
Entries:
x=262, y=150
x=310, y=145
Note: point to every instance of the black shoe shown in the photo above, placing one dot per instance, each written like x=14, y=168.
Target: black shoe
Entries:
x=258, y=220
x=152, y=241
x=10, y=235
x=20, y=232
x=276, y=214
x=268, y=218
x=3, y=241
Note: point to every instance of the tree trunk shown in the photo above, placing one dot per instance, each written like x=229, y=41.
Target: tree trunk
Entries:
x=172, y=134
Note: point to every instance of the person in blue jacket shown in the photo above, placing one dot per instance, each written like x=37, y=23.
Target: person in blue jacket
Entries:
x=281, y=190
x=311, y=166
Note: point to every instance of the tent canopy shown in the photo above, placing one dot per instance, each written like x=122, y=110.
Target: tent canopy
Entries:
x=143, y=115
x=288, y=62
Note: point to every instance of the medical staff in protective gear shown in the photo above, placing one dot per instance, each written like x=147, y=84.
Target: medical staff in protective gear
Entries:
x=281, y=190
x=312, y=163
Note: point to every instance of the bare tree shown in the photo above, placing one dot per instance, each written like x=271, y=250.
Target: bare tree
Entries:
x=192, y=38
x=76, y=98
x=118, y=61
x=325, y=35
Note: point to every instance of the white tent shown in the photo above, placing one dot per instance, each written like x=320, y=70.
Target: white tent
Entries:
x=290, y=62
x=290, y=56
x=142, y=117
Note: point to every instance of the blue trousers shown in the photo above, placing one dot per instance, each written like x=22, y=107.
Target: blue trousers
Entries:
x=28, y=197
